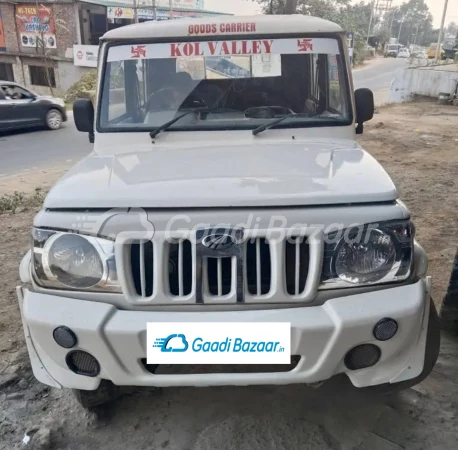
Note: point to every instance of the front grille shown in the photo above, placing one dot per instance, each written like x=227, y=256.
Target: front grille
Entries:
x=180, y=268
x=258, y=267
x=297, y=260
x=261, y=271
x=142, y=267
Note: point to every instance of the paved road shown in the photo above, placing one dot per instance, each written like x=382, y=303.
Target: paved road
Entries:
x=41, y=148
x=378, y=75
x=26, y=150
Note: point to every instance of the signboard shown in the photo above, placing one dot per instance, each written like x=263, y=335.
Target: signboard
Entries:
x=120, y=13
x=2, y=34
x=35, y=24
x=147, y=13
x=176, y=4
x=225, y=48
x=85, y=55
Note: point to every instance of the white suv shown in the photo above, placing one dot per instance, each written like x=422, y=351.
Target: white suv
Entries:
x=226, y=186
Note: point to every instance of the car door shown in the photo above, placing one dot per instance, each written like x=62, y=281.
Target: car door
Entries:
x=5, y=111
x=24, y=109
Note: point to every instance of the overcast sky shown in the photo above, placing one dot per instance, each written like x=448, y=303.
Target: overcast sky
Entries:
x=250, y=7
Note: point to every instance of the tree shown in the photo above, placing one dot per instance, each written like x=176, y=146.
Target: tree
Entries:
x=413, y=23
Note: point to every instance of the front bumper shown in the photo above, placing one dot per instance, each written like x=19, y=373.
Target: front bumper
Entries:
x=321, y=335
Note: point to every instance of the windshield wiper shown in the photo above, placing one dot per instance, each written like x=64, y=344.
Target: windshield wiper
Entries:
x=168, y=124
x=266, y=126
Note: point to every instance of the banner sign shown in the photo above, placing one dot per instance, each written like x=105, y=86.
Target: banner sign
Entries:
x=147, y=13
x=33, y=24
x=176, y=4
x=2, y=34
x=85, y=55
x=225, y=48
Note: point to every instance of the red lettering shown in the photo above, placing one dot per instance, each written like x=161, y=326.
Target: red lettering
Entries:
x=235, y=49
x=256, y=47
x=188, y=49
x=245, y=48
x=239, y=28
x=190, y=29
x=214, y=29
x=234, y=28
x=212, y=47
x=253, y=27
x=225, y=49
x=268, y=46
x=222, y=28
x=202, y=29
x=198, y=50
x=175, y=50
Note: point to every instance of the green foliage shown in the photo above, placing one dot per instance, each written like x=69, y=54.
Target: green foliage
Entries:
x=84, y=88
x=11, y=202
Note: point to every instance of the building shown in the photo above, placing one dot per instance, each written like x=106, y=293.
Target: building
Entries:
x=53, y=42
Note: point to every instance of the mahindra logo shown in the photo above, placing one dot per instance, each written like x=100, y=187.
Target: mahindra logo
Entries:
x=218, y=241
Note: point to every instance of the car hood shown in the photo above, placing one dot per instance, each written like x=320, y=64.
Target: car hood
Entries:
x=253, y=175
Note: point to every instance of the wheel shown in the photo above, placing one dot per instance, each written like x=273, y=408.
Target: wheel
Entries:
x=54, y=119
x=433, y=341
x=106, y=392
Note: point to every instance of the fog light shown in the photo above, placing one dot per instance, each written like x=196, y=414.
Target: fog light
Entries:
x=64, y=337
x=82, y=363
x=385, y=329
x=362, y=356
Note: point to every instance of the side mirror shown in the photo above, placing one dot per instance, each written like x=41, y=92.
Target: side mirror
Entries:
x=83, y=115
x=364, y=101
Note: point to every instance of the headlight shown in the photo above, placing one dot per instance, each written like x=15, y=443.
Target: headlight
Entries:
x=73, y=261
x=369, y=254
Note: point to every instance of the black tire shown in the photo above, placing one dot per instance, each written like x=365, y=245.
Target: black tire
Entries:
x=106, y=392
x=54, y=119
x=433, y=342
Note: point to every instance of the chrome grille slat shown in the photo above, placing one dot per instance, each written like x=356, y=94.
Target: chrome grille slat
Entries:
x=220, y=276
x=298, y=267
x=142, y=270
x=180, y=269
x=258, y=267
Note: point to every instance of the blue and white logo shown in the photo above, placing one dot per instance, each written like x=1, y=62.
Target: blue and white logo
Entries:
x=172, y=343
x=219, y=343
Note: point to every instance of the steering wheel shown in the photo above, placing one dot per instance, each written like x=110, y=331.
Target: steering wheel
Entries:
x=267, y=112
x=164, y=99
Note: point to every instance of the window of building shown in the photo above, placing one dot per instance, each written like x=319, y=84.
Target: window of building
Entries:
x=38, y=76
x=6, y=72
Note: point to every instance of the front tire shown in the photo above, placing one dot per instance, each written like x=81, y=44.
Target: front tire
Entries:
x=106, y=392
x=53, y=119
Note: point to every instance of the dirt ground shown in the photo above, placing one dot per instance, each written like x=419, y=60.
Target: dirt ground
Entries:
x=418, y=145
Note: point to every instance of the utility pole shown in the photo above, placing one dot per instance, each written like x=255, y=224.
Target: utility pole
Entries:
x=290, y=7
x=171, y=9
x=441, y=32
x=135, y=12
x=400, y=28
x=370, y=22
x=154, y=10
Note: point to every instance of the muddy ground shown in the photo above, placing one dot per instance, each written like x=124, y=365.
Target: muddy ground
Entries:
x=418, y=145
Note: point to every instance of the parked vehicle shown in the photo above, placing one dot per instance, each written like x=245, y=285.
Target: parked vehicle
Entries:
x=22, y=108
x=227, y=201
x=403, y=53
x=392, y=50
x=432, y=49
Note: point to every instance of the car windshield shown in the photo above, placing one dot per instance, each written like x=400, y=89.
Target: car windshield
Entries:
x=225, y=85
